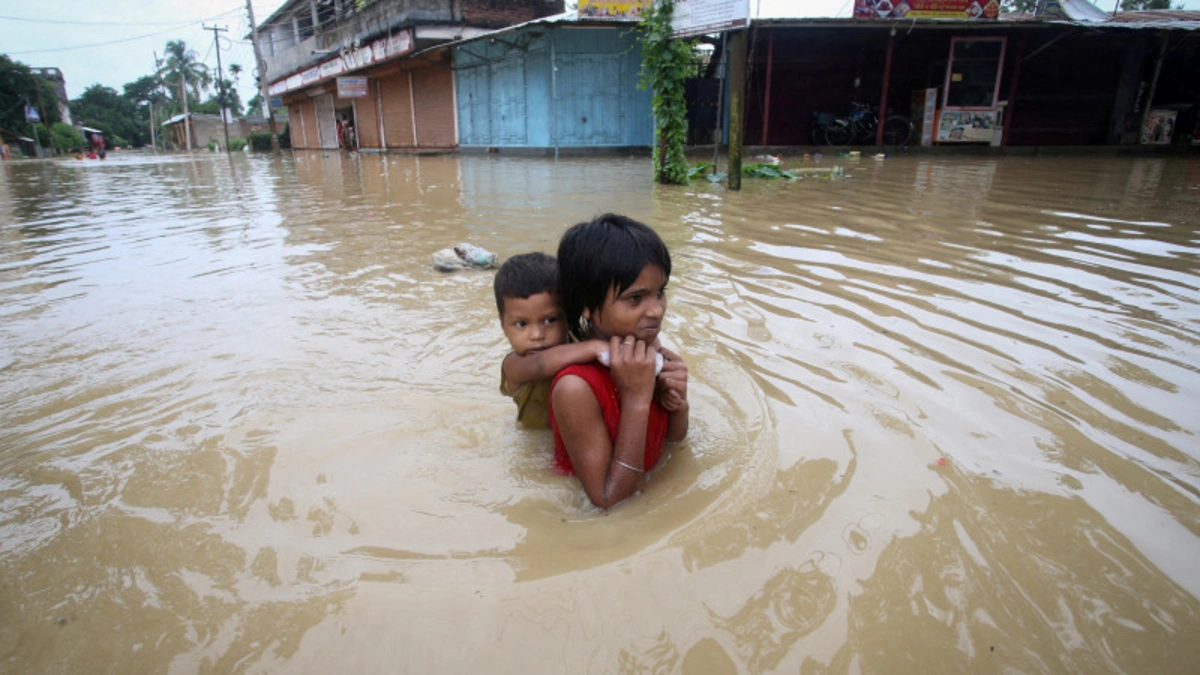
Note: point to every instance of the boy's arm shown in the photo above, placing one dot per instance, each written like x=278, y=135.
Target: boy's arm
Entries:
x=546, y=363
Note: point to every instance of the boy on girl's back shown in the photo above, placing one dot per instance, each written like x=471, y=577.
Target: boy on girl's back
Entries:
x=534, y=323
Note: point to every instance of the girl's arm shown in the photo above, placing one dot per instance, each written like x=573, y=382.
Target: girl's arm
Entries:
x=601, y=464
x=546, y=363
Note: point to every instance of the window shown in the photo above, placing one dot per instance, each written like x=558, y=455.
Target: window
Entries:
x=973, y=73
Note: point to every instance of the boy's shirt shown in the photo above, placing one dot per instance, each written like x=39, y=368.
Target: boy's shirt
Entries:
x=532, y=399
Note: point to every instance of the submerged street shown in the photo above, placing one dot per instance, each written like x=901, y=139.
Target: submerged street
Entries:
x=943, y=413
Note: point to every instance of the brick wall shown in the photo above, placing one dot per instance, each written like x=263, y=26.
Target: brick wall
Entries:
x=499, y=13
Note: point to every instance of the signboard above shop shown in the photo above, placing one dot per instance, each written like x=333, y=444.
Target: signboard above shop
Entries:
x=697, y=17
x=966, y=10
x=629, y=10
x=383, y=49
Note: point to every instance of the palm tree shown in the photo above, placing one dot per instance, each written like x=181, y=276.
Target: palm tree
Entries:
x=182, y=68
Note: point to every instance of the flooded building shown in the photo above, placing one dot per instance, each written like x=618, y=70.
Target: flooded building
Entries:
x=55, y=77
x=361, y=75
x=204, y=128
x=562, y=83
x=1068, y=75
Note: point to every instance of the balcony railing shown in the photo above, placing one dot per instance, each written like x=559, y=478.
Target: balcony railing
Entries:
x=293, y=40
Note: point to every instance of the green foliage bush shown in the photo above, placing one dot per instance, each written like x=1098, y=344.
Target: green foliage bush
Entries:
x=236, y=144
x=666, y=65
x=285, y=138
x=66, y=137
x=260, y=142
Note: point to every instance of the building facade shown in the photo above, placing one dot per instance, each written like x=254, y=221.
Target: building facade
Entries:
x=371, y=76
x=55, y=77
x=558, y=84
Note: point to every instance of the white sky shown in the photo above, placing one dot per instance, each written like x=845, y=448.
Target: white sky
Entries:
x=113, y=42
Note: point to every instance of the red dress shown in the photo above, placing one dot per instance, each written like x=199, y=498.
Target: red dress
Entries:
x=605, y=390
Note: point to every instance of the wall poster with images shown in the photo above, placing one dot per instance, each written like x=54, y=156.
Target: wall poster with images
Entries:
x=1159, y=127
x=962, y=126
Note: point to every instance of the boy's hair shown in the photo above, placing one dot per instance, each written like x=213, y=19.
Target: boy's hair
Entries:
x=606, y=252
x=522, y=276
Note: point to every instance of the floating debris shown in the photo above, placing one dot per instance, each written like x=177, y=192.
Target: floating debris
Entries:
x=464, y=256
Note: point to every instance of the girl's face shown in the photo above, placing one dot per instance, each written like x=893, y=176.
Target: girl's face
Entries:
x=638, y=311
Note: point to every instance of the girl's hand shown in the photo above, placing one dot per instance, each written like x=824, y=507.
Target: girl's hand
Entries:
x=632, y=366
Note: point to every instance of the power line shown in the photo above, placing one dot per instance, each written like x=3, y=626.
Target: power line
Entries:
x=174, y=27
x=61, y=22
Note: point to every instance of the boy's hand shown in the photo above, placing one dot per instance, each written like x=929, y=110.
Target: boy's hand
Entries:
x=671, y=385
x=598, y=347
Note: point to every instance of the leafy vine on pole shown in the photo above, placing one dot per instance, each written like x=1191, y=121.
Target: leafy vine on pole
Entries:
x=666, y=65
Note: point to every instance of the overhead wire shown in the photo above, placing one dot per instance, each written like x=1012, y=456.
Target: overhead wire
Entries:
x=66, y=22
x=174, y=27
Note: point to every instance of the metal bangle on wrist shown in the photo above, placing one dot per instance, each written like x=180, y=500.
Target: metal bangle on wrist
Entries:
x=629, y=466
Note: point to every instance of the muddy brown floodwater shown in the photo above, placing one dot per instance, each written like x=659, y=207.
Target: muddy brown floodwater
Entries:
x=944, y=419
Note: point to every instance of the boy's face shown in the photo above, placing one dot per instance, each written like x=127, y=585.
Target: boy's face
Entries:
x=534, y=323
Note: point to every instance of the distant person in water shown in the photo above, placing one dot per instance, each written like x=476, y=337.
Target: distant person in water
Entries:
x=609, y=423
x=536, y=328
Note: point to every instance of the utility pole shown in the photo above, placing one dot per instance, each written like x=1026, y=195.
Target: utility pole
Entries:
x=42, y=115
x=150, y=102
x=153, y=140
x=737, y=91
x=37, y=140
x=220, y=82
x=262, y=78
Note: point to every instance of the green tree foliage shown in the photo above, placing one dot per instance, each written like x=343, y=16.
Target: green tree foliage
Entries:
x=19, y=86
x=66, y=137
x=103, y=108
x=144, y=90
x=213, y=105
x=148, y=93
x=666, y=65
x=1129, y=5
x=182, y=66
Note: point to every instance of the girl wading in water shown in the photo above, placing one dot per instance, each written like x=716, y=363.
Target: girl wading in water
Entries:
x=610, y=423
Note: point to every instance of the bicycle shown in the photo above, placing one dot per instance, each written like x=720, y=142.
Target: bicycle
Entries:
x=859, y=126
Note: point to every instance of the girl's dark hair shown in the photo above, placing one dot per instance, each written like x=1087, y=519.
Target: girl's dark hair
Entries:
x=524, y=275
x=606, y=252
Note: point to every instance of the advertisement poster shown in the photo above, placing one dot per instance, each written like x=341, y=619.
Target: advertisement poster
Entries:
x=352, y=87
x=976, y=126
x=607, y=9
x=697, y=17
x=970, y=10
x=1160, y=127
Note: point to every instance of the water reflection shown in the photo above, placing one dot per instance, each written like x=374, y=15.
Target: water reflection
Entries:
x=942, y=413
